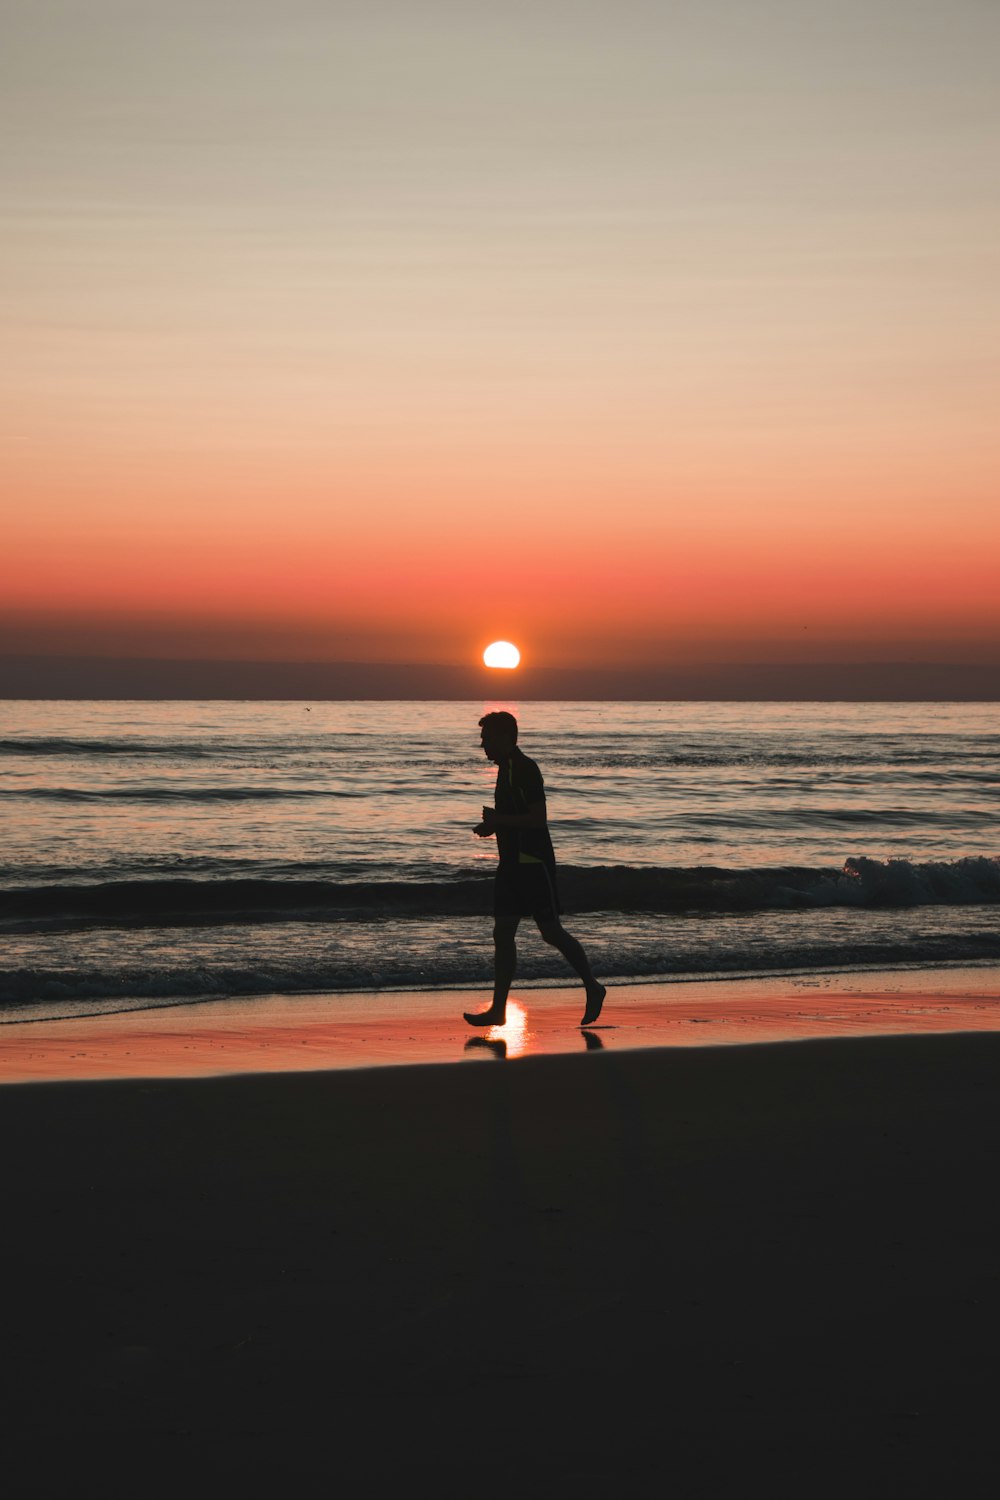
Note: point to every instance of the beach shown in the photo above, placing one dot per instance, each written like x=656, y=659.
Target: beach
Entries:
x=696, y=1267
x=501, y=503
x=401, y=1028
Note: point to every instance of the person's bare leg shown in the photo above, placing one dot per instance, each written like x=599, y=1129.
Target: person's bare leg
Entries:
x=571, y=950
x=504, y=968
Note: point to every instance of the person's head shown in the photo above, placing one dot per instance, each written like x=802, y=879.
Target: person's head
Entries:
x=498, y=732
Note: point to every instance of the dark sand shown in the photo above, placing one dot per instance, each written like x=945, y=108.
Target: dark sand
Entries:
x=698, y=1271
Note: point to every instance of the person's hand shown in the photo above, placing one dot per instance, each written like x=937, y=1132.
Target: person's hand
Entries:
x=482, y=831
x=489, y=816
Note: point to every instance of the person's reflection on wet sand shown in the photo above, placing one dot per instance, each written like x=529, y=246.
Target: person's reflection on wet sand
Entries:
x=496, y=1045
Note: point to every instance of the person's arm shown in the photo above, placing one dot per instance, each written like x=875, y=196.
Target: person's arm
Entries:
x=533, y=818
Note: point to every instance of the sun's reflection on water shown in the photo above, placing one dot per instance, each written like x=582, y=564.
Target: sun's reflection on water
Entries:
x=514, y=1032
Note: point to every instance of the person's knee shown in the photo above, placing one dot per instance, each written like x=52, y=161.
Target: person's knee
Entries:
x=551, y=932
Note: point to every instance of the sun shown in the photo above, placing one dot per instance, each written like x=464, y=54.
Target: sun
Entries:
x=501, y=654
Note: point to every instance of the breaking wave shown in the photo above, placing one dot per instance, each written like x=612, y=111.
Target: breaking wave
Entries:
x=861, y=883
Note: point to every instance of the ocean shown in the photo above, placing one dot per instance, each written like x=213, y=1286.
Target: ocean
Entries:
x=162, y=852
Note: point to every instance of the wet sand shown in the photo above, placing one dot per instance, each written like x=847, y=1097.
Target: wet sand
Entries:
x=307, y=1032
x=696, y=1269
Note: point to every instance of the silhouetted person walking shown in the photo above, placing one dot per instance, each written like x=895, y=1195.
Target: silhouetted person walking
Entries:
x=526, y=874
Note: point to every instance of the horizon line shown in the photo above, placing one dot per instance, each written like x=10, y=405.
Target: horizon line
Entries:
x=137, y=678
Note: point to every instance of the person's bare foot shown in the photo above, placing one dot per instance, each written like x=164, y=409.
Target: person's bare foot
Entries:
x=489, y=1017
x=595, y=999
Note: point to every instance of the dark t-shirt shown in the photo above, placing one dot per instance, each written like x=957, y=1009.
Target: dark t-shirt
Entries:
x=519, y=785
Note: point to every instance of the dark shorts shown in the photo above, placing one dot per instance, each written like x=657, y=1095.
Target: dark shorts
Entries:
x=526, y=891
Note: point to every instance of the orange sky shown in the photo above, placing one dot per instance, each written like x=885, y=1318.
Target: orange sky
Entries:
x=574, y=568
x=631, y=344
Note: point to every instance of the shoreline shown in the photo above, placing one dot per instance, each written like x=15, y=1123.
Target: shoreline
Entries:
x=349, y=1031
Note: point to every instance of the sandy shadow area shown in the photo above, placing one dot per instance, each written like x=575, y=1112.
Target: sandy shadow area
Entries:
x=748, y=1267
